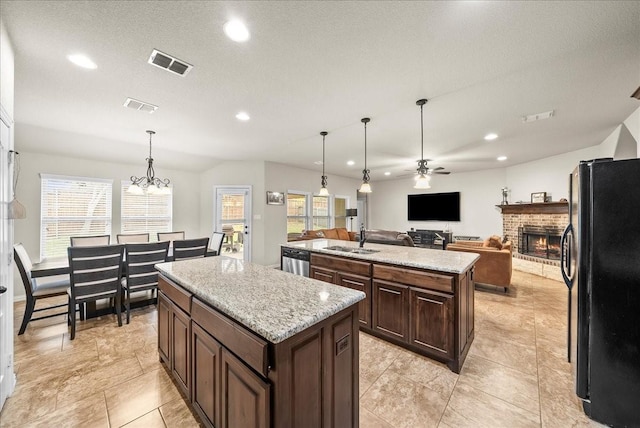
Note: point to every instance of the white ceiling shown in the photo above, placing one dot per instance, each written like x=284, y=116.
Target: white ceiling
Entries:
x=314, y=66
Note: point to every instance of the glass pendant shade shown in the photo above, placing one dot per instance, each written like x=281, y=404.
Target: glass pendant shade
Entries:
x=323, y=192
x=365, y=188
x=422, y=182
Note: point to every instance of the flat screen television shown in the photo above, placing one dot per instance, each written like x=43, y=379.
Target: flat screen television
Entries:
x=434, y=206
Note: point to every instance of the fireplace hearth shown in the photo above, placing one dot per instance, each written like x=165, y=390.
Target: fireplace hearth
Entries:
x=542, y=242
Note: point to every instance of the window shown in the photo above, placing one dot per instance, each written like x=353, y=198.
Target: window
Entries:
x=296, y=212
x=145, y=213
x=321, y=212
x=340, y=211
x=72, y=206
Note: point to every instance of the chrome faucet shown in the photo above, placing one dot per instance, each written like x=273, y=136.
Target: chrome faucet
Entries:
x=363, y=236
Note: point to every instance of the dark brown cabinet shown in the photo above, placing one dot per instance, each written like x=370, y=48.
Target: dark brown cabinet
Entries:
x=359, y=283
x=431, y=321
x=174, y=329
x=206, y=368
x=238, y=379
x=390, y=309
x=244, y=398
x=427, y=311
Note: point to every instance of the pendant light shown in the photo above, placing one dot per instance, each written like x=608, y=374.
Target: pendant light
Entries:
x=149, y=184
x=365, y=187
x=423, y=172
x=323, y=182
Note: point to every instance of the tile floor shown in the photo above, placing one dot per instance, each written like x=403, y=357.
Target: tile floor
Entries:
x=515, y=375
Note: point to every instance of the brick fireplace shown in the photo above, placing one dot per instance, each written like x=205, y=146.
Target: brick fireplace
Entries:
x=543, y=223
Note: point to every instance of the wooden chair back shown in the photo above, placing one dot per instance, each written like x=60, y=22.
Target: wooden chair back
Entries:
x=215, y=243
x=132, y=238
x=90, y=241
x=170, y=236
x=140, y=260
x=95, y=272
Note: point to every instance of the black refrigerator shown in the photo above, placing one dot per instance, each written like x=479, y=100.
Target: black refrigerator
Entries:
x=601, y=267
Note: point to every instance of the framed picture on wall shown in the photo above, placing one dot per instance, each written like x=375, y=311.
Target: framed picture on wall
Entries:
x=538, y=197
x=275, y=198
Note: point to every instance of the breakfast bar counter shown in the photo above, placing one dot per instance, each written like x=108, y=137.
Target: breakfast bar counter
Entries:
x=421, y=299
x=253, y=346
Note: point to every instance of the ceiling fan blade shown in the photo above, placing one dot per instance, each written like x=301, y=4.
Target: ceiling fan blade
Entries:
x=442, y=172
x=437, y=169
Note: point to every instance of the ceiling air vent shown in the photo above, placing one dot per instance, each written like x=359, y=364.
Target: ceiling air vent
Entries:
x=140, y=105
x=169, y=63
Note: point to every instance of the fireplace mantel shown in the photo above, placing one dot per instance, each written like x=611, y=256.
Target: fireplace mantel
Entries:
x=539, y=208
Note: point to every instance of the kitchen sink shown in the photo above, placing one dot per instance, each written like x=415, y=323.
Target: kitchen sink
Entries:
x=351, y=249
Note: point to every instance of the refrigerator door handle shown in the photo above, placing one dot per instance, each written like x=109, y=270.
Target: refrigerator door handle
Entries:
x=565, y=256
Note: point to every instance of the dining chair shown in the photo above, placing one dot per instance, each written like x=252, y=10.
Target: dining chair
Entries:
x=139, y=265
x=90, y=241
x=170, y=236
x=38, y=288
x=190, y=248
x=95, y=274
x=215, y=243
x=132, y=238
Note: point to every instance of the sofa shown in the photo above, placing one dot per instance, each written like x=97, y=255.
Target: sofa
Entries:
x=335, y=233
x=494, y=265
x=388, y=237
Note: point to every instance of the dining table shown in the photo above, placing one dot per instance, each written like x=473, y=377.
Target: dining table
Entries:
x=53, y=266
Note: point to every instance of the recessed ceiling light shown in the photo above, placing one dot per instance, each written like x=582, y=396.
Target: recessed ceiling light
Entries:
x=236, y=31
x=502, y=158
x=350, y=163
x=242, y=116
x=490, y=136
x=82, y=61
x=387, y=173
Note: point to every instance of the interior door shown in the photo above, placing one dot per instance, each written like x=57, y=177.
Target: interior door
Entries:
x=6, y=271
x=233, y=217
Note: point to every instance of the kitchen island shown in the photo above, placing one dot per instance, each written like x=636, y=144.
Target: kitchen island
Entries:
x=418, y=298
x=251, y=346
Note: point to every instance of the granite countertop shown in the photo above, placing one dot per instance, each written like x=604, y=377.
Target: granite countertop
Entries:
x=274, y=304
x=425, y=258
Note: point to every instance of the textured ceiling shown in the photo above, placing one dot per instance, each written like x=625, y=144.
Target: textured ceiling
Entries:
x=314, y=66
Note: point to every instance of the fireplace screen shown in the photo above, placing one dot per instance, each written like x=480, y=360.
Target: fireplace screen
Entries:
x=543, y=242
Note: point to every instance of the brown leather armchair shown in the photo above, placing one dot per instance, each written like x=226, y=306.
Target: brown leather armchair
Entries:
x=494, y=265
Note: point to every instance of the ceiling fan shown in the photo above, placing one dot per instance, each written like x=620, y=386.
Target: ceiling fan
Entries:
x=423, y=172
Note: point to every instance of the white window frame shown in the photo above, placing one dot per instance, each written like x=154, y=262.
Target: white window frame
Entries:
x=153, y=233
x=330, y=209
x=306, y=217
x=46, y=219
x=347, y=205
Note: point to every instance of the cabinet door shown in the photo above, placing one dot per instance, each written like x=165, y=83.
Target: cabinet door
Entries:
x=431, y=321
x=164, y=319
x=322, y=274
x=180, y=352
x=390, y=315
x=205, y=356
x=244, y=396
x=363, y=284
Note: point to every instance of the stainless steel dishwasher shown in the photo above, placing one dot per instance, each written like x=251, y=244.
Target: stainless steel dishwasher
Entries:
x=295, y=261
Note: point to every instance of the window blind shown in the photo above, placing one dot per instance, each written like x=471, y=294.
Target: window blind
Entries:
x=145, y=213
x=72, y=206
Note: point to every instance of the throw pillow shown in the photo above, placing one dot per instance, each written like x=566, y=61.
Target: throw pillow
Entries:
x=343, y=234
x=495, y=241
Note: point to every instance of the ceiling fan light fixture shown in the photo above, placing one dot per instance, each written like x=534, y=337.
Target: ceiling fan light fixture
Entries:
x=422, y=182
x=365, y=187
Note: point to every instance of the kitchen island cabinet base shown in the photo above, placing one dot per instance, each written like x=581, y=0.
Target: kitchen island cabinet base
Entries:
x=237, y=378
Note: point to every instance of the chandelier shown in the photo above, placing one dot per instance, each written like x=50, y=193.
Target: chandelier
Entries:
x=149, y=184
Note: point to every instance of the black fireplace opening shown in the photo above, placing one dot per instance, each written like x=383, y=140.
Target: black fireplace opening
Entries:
x=543, y=242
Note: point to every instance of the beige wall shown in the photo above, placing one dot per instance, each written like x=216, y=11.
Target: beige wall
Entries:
x=186, y=196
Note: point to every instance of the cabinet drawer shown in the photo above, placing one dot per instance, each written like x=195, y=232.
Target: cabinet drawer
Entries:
x=247, y=346
x=413, y=277
x=178, y=295
x=341, y=264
